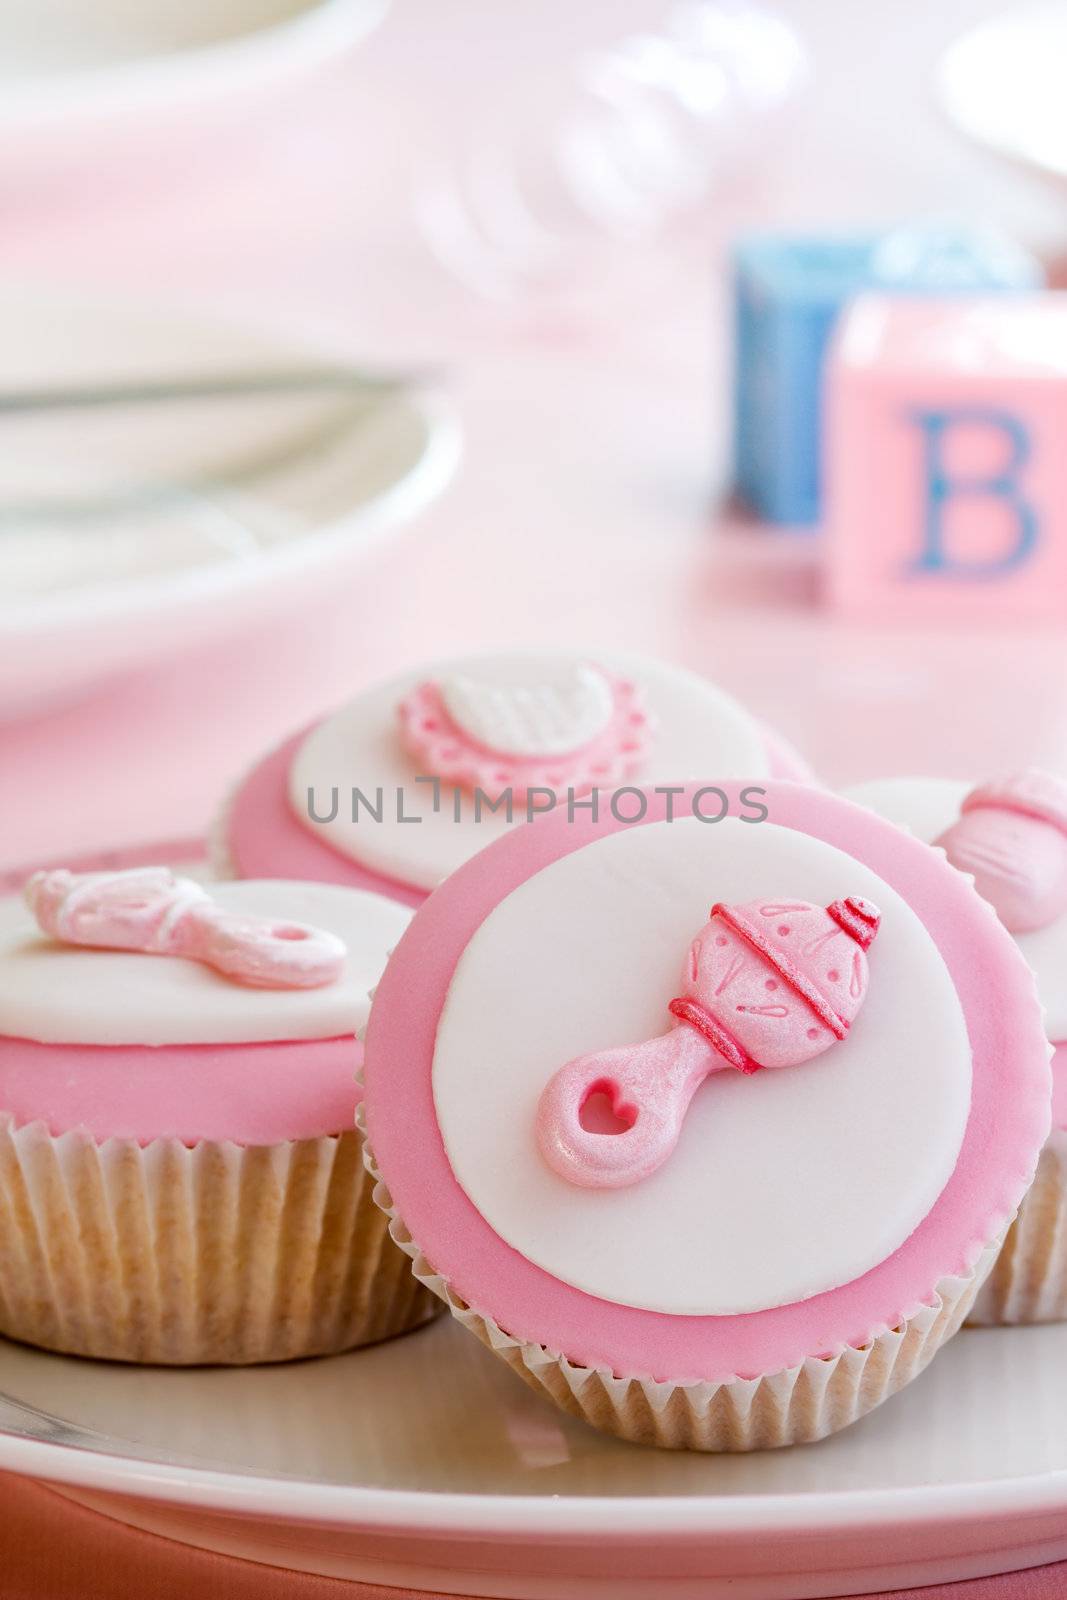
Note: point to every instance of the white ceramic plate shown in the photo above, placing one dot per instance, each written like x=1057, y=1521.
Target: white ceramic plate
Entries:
x=84, y=78
x=1002, y=84
x=425, y=1462
x=124, y=532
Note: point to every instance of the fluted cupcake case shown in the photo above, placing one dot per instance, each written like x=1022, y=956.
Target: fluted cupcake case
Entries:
x=384, y=794
x=1010, y=837
x=710, y=1131
x=180, y=1178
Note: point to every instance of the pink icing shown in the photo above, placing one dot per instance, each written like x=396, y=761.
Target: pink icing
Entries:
x=766, y=985
x=149, y=910
x=1007, y=1123
x=265, y=840
x=443, y=748
x=249, y=1093
x=1032, y=792
x=1012, y=839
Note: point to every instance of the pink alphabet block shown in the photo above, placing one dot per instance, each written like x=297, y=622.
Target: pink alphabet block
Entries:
x=946, y=458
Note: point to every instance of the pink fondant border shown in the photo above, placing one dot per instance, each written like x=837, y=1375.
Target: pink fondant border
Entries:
x=265, y=840
x=249, y=1094
x=1008, y=1121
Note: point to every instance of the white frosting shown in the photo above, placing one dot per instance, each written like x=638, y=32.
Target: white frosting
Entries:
x=562, y=711
x=926, y=807
x=1045, y=952
x=922, y=806
x=783, y=1184
x=66, y=994
x=700, y=733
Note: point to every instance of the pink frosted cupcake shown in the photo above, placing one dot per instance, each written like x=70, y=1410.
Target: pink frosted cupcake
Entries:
x=1010, y=837
x=718, y=1181
x=180, y=1180
x=408, y=780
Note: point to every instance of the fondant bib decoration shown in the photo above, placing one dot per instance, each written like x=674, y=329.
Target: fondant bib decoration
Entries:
x=149, y=909
x=545, y=720
x=581, y=727
x=466, y=748
x=1011, y=837
x=767, y=984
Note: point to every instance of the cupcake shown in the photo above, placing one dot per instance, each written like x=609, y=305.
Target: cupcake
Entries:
x=407, y=781
x=1010, y=837
x=180, y=1178
x=710, y=1131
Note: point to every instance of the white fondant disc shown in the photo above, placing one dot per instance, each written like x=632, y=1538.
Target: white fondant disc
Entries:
x=700, y=733
x=68, y=994
x=783, y=1184
x=926, y=807
x=922, y=806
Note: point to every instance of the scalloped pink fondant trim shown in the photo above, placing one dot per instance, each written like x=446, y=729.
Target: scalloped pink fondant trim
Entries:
x=263, y=839
x=447, y=751
x=251, y=1094
x=1008, y=1121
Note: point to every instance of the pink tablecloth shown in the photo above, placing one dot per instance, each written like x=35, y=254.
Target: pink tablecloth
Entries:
x=51, y=1548
x=605, y=439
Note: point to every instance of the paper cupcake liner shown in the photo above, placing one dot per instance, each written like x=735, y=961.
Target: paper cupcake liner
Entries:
x=1028, y=1282
x=210, y=1253
x=797, y=1405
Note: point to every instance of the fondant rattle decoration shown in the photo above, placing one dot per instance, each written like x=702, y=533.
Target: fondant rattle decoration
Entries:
x=585, y=729
x=1011, y=837
x=767, y=985
x=151, y=910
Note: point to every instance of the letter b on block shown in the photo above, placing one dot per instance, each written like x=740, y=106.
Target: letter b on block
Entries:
x=1000, y=488
x=946, y=459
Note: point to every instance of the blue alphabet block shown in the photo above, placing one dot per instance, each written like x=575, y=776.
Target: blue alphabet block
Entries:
x=789, y=292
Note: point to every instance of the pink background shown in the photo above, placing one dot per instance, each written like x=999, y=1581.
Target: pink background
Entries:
x=604, y=436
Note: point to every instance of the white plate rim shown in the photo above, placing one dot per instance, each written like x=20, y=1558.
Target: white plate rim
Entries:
x=958, y=109
x=509, y=1516
x=154, y=83
x=411, y=492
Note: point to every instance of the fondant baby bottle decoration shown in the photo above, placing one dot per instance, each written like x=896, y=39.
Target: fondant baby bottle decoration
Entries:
x=579, y=727
x=768, y=984
x=151, y=910
x=1012, y=838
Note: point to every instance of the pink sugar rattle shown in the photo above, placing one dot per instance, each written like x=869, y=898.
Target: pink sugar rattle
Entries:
x=149, y=909
x=767, y=985
x=1012, y=838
